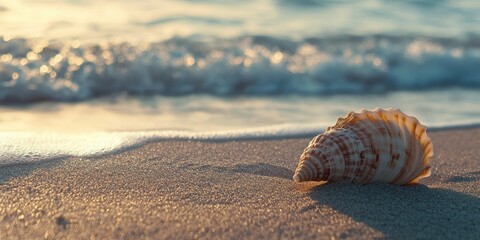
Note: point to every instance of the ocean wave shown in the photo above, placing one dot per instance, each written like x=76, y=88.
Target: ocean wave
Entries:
x=36, y=70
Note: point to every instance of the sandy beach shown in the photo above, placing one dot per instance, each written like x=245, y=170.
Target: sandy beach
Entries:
x=236, y=190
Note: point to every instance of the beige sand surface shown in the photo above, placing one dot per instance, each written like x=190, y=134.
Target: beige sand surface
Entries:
x=236, y=190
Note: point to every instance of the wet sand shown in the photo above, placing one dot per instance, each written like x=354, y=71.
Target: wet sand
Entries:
x=236, y=190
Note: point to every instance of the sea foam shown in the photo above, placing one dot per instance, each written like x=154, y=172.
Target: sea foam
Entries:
x=29, y=147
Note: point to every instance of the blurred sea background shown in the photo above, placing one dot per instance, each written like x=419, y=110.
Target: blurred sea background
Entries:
x=82, y=77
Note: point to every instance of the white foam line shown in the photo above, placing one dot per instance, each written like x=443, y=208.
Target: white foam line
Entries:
x=29, y=147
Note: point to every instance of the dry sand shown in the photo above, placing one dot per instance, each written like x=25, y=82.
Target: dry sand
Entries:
x=236, y=190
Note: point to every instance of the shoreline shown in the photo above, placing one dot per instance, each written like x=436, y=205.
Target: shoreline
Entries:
x=236, y=189
x=111, y=143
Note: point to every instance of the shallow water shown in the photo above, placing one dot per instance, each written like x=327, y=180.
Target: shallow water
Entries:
x=204, y=113
x=51, y=130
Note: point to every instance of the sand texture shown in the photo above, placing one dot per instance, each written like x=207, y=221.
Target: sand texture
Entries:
x=236, y=190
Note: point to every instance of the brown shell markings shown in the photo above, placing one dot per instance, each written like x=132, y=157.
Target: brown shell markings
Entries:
x=371, y=146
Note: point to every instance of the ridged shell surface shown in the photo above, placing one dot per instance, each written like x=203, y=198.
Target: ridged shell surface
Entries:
x=370, y=146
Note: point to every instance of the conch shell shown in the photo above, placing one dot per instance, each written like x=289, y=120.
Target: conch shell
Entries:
x=370, y=146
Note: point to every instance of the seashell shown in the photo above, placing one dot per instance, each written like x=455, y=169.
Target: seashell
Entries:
x=371, y=146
